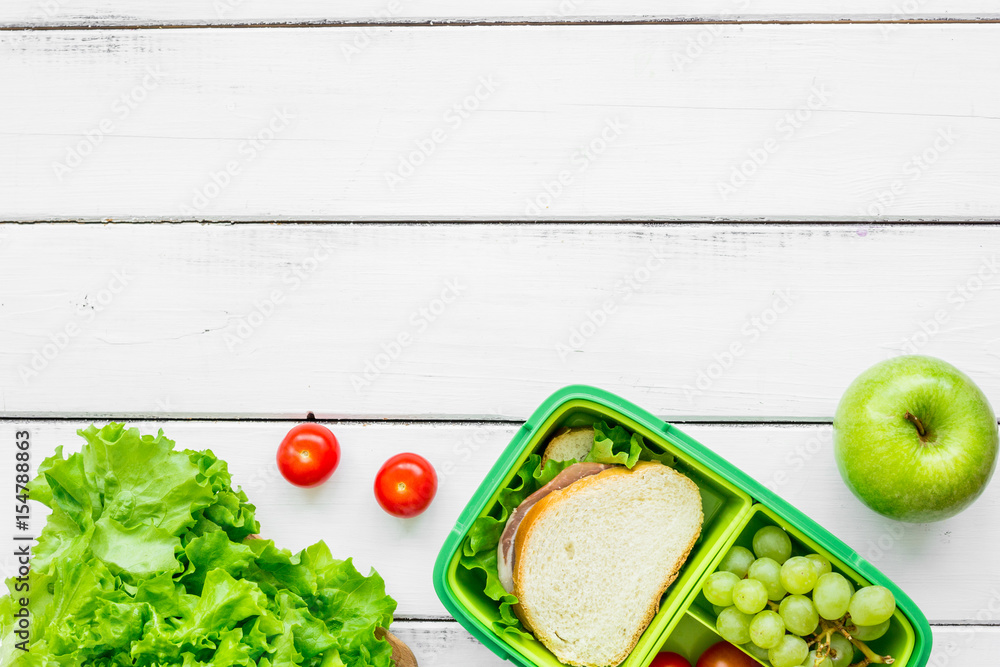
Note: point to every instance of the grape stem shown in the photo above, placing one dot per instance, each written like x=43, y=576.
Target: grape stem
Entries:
x=823, y=650
x=821, y=640
x=870, y=656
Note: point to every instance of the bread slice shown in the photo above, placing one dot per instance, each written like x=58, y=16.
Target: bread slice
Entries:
x=569, y=444
x=594, y=559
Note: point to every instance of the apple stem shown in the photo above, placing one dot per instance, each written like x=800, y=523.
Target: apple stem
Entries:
x=916, y=422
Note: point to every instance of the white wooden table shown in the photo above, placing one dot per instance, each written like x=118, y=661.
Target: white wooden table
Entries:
x=538, y=194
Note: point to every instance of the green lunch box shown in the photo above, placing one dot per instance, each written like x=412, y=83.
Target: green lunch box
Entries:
x=735, y=507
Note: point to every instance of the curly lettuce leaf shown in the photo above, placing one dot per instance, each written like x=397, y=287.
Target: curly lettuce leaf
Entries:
x=355, y=603
x=135, y=552
x=212, y=552
x=143, y=562
x=615, y=445
x=479, y=550
x=131, y=478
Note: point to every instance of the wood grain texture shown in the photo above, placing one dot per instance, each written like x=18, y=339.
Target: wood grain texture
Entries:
x=445, y=644
x=706, y=322
x=449, y=645
x=948, y=568
x=226, y=12
x=676, y=122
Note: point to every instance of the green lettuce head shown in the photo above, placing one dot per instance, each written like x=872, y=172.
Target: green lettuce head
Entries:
x=144, y=560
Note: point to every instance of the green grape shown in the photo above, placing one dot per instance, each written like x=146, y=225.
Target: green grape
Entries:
x=717, y=608
x=767, y=629
x=737, y=561
x=872, y=605
x=790, y=652
x=832, y=595
x=841, y=650
x=718, y=588
x=867, y=633
x=821, y=563
x=772, y=542
x=810, y=661
x=768, y=572
x=799, y=615
x=750, y=596
x=755, y=651
x=798, y=575
x=734, y=625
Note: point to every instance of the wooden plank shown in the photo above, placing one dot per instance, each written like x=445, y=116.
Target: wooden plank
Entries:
x=675, y=122
x=449, y=645
x=444, y=644
x=351, y=321
x=960, y=552
x=228, y=12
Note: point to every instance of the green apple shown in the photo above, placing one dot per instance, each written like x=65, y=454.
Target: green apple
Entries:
x=915, y=439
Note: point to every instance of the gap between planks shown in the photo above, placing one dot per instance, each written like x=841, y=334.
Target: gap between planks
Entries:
x=844, y=221
x=461, y=23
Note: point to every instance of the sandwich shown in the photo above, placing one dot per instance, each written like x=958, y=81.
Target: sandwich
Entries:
x=589, y=554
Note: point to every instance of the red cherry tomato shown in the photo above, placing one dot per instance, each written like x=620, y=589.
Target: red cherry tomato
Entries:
x=308, y=455
x=669, y=659
x=725, y=654
x=405, y=485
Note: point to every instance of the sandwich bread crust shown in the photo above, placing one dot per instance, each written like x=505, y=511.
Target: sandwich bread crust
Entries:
x=593, y=559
